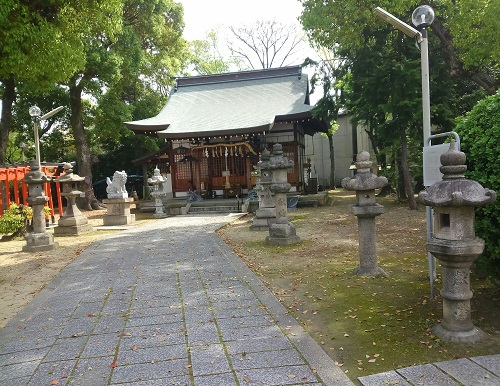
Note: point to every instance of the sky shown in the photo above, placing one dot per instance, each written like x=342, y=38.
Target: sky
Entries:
x=200, y=16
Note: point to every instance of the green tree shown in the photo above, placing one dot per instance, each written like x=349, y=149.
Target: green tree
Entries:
x=328, y=77
x=467, y=31
x=147, y=52
x=206, y=57
x=40, y=44
x=382, y=80
x=479, y=131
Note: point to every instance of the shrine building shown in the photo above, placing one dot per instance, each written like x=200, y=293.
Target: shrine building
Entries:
x=215, y=127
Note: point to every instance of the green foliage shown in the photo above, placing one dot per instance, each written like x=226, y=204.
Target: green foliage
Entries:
x=479, y=131
x=206, y=57
x=475, y=25
x=14, y=218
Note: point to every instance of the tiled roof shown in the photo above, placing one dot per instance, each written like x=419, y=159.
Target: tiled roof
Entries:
x=230, y=104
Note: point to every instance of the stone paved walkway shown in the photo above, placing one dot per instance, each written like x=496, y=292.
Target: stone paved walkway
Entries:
x=167, y=303
x=477, y=371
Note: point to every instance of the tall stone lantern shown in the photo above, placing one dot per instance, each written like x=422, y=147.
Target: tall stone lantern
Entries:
x=156, y=181
x=265, y=215
x=72, y=222
x=366, y=209
x=39, y=239
x=281, y=232
x=454, y=242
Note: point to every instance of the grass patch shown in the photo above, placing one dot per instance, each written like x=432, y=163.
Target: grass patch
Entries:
x=367, y=325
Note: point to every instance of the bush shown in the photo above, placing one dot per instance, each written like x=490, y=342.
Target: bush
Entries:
x=479, y=132
x=14, y=219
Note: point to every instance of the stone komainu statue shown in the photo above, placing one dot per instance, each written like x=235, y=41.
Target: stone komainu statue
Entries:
x=117, y=185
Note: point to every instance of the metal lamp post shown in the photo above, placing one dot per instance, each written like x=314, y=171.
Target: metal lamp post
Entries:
x=422, y=18
x=35, y=113
x=23, y=147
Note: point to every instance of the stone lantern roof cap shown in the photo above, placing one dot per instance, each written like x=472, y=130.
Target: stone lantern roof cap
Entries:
x=35, y=175
x=364, y=179
x=265, y=156
x=454, y=189
x=278, y=160
x=68, y=175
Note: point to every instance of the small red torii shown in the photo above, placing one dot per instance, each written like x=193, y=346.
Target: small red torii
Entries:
x=16, y=174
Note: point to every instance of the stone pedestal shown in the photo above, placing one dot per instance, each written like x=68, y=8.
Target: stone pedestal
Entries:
x=72, y=222
x=265, y=215
x=159, y=213
x=365, y=183
x=367, y=233
x=39, y=239
x=454, y=243
x=118, y=211
x=282, y=232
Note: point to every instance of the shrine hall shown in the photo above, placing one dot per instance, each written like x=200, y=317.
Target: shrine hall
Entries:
x=215, y=127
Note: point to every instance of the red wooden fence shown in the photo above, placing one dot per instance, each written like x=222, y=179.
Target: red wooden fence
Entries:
x=14, y=189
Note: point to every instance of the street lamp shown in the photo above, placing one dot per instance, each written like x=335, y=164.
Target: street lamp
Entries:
x=23, y=147
x=35, y=113
x=422, y=17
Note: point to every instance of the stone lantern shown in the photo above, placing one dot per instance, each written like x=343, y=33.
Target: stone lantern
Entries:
x=365, y=183
x=265, y=215
x=72, y=222
x=454, y=242
x=156, y=181
x=39, y=239
x=282, y=232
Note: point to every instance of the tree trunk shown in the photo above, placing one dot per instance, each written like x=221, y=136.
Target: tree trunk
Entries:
x=406, y=171
x=83, y=157
x=332, y=161
x=8, y=98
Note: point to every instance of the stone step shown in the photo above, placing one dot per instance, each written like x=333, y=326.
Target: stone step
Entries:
x=213, y=209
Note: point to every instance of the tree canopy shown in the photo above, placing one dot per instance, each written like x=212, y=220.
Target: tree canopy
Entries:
x=380, y=76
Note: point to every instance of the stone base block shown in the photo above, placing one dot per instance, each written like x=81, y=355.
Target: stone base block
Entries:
x=282, y=234
x=110, y=220
x=63, y=230
x=259, y=223
x=369, y=271
x=471, y=336
x=38, y=242
x=159, y=215
x=74, y=221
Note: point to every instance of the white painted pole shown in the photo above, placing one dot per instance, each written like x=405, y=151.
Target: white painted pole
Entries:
x=37, y=142
x=426, y=103
x=426, y=116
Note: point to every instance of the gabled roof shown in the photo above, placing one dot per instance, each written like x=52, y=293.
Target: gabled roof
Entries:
x=230, y=104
